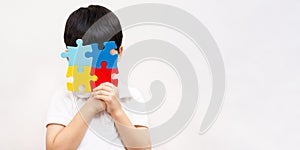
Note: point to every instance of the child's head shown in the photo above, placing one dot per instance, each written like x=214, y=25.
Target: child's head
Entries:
x=93, y=24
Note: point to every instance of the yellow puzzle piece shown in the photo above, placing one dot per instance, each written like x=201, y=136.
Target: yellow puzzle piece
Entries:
x=80, y=78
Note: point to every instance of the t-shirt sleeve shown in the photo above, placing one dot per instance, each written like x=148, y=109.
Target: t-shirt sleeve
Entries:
x=137, y=118
x=60, y=109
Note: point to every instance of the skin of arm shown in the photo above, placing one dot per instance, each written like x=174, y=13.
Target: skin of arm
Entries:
x=133, y=137
x=69, y=137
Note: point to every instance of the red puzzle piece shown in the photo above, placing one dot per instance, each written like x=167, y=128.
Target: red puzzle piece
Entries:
x=104, y=75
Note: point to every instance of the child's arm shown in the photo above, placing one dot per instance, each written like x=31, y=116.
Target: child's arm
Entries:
x=134, y=138
x=70, y=136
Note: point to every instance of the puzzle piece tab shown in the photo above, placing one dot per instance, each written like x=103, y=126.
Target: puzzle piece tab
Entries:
x=70, y=54
x=76, y=55
x=104, y=75
x=100, y=56
x=80, y=78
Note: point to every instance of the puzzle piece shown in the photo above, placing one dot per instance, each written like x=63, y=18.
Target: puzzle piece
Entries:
x=70, y=54
x=80, y=78
x=76, y=55
x=100, y=56
x=104, y=75
x=94, y=54
x=81, y=58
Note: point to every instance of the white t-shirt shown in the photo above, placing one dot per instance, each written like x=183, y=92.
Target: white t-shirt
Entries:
x=101, y=133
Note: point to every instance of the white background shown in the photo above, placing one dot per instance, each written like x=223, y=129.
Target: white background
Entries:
x=259, y=42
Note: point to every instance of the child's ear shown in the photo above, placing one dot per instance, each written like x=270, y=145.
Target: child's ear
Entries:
x=120, y=51
x=66, y=50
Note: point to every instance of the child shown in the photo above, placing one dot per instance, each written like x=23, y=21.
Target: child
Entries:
x=70, y=116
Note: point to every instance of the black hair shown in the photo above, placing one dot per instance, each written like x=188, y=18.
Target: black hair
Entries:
x=93, y=24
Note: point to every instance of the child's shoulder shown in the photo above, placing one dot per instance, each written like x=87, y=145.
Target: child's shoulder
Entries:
x=126, y=91
x=61, y=97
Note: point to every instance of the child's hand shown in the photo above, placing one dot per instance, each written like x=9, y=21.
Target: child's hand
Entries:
x=108, y=93
x=96, y=105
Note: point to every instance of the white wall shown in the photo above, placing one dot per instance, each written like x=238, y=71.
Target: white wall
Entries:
x=259, y=41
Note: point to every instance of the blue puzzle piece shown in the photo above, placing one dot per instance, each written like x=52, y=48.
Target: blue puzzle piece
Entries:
x=94, y=54
x=78, y=55
x=70, y=54
x=103, y=55
x=106, y=56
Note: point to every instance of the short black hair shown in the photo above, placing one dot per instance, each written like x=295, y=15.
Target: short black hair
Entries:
x=93, y=24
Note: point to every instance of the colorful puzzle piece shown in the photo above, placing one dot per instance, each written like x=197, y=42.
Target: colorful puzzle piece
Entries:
x=90, y=66
x=104, y=75
x=76, y=55
x=80, y=78
x=70, y=54
x=103, y=55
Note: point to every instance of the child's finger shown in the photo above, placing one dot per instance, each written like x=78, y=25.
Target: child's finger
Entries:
x=101, y=97
x=103, y=87
x=102, y=92
x=110, y=84
x=113, y=87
